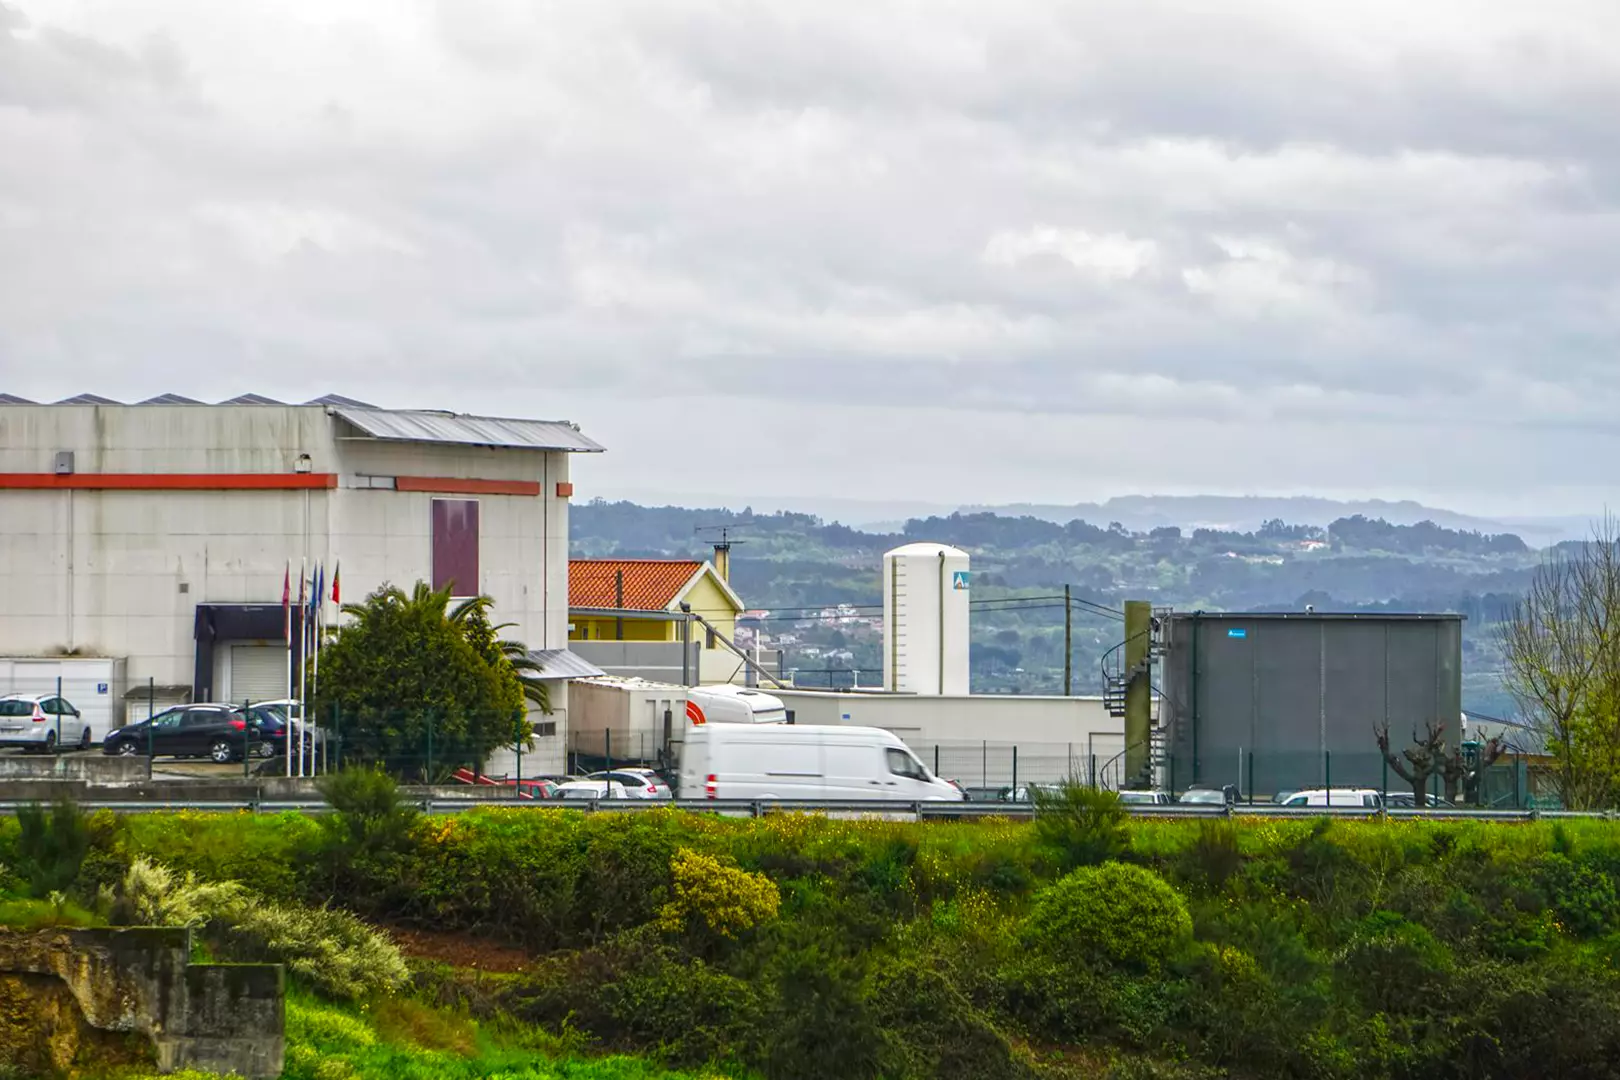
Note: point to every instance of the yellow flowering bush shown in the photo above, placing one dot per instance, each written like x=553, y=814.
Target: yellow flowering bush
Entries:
x=725, y=900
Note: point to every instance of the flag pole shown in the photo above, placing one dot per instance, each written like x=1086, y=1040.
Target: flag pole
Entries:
x=303, y=651
x=315, y=675
x=286, y=632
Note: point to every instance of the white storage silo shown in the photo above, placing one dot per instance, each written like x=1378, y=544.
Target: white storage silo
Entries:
x=925, y=619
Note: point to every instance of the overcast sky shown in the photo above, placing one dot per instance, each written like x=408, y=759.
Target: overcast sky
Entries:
x=946, y=250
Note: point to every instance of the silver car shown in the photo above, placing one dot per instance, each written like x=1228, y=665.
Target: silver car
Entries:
x=1144, y=798
x=42, y=723
x=637, y=783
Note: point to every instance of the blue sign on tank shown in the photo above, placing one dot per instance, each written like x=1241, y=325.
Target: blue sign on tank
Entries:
x=1237, y=631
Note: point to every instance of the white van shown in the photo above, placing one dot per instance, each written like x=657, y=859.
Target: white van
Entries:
x=788, y=761
x=1363, y=798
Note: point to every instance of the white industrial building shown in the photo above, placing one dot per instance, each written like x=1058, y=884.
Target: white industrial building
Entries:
x=146, y=545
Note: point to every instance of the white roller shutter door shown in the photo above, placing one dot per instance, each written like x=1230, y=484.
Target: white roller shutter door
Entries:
x=258, y=673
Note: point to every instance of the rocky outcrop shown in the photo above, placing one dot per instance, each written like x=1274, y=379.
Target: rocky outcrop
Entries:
x=122, y=996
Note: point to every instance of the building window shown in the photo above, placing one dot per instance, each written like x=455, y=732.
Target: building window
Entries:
x=455, y=546
x=545, y=729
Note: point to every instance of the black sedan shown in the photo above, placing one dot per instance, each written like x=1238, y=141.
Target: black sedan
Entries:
x=218, y=732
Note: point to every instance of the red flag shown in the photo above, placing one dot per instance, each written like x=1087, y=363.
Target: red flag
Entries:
x=286, y=603
x=336, y=570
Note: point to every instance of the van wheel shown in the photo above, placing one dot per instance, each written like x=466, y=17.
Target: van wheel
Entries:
x=220, y=752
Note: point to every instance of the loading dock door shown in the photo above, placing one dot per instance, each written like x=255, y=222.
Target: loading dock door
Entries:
x=258, y=673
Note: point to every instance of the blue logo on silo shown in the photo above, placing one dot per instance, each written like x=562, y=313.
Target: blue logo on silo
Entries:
x=959, y=580
x=1237, y=631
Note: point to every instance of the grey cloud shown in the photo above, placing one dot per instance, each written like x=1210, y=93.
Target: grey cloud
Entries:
x=1393, y=237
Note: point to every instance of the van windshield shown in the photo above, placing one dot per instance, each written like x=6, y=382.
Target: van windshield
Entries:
x=902, y=763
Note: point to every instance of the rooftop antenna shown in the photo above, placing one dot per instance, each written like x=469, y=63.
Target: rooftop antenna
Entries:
x=722, y=548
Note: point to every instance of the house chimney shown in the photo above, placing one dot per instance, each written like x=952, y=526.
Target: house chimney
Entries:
x=722, y=561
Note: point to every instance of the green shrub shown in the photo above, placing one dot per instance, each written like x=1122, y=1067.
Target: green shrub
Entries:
x=713, y=900
x=1396, y=966
x=1081, y=825
x=153, y=895
x=1115, y=914
x=1583, y=896
x=51, y=846
x=819, y=1022
x=327, y=948
x=54, y=911
x=366, y=839
x=275, y=855
x=684, y=1011
x=933, y=1030
x=1213, y=857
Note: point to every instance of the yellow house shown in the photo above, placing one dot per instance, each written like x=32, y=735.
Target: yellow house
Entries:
x=640, y=600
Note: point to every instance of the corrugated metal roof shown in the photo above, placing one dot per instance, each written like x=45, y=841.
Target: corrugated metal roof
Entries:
x=445, y=427
x=13, y=399
x=169, y=399
x=339, y=399
x=88, y=399
x=563, y=664
x=252, y=399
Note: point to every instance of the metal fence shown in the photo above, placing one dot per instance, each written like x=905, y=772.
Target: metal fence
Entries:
x=988, y=769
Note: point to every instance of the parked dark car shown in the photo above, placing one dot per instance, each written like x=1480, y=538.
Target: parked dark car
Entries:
x=272, y=728
x=218, y=732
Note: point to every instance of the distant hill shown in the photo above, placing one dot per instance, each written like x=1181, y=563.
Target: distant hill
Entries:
x=1243, y=513
x=1144, y=513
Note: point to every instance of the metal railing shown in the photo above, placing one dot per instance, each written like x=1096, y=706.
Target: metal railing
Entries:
x=921, y=811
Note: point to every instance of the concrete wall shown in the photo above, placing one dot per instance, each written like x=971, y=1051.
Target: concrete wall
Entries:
x=217, y=1018
x=653, y=661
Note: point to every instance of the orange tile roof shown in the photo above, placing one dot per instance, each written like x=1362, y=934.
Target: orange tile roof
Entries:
x=649, y=584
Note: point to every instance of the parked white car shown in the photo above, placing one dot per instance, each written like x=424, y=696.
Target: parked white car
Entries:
x=587, y=790
x=42, y=723
x=792, y=761
x=1365, y=798
x=638, y=783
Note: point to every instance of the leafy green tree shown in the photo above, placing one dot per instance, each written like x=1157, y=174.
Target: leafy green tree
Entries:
x=1561, y=650
x=408, y=674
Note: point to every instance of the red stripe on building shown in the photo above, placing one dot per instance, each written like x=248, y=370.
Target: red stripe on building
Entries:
x=167, y=481
x=449, y=485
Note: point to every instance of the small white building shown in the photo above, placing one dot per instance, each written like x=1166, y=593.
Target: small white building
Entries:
x=159, y=535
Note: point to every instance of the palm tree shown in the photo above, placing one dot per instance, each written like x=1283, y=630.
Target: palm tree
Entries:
x=466, y=614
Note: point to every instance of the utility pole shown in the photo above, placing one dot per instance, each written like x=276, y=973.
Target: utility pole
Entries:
x=1068, y=644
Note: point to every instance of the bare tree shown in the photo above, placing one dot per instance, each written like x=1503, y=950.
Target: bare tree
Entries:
x=1561, y=648
x=1463, y=777
x=1418, y=762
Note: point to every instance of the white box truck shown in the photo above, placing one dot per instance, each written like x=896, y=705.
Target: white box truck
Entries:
x=789, y=761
